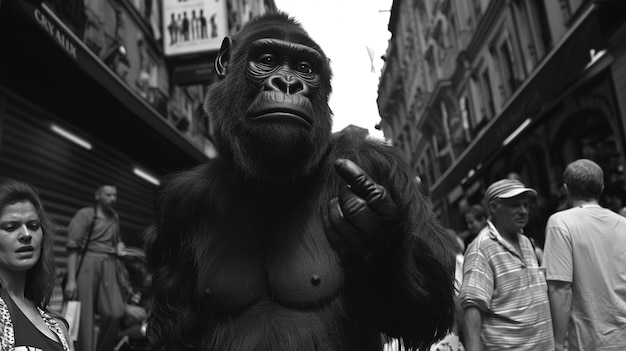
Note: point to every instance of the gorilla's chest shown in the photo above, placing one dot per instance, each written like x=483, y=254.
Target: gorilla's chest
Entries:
x=292, y=265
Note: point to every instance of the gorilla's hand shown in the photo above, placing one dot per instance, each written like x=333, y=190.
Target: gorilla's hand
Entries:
x=362, y=219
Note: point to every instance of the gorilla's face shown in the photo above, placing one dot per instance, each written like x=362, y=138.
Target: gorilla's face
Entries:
x=271, y=108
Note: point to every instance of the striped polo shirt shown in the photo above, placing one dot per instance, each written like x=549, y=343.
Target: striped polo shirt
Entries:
x=510, y=290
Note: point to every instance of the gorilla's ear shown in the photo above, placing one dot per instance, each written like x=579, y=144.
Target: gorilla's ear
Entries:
x=223, y=57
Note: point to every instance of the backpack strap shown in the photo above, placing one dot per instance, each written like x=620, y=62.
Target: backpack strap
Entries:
x=84, y=250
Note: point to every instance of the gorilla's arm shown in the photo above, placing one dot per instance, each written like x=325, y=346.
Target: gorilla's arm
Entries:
x=399, y=269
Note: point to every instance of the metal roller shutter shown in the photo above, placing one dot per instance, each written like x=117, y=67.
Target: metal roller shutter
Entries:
x=67, y=174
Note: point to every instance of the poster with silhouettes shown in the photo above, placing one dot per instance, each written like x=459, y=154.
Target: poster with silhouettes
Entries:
x=192, y=26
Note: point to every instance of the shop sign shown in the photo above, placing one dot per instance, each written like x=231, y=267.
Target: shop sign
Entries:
x=193, y=26
x=55, y=28
x=194, y=71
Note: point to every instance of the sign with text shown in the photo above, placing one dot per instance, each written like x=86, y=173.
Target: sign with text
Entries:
x=198, y=70
x=193, y=26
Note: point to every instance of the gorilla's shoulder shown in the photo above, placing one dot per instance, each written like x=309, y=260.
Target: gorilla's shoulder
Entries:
x=344, y=142
x=186, y=184
x=187, y=177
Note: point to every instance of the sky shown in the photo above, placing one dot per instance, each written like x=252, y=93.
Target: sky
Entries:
x=345, y=29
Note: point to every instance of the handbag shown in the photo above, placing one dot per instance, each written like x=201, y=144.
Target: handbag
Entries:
x=83, y=250
x=71, y=313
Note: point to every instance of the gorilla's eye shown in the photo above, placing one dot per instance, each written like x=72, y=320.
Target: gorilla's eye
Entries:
x=304, y=68
x=268, y=60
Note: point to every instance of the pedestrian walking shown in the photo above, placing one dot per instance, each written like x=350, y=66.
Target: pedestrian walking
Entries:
x=585, y=261
x=93, y=246
x=504, y=294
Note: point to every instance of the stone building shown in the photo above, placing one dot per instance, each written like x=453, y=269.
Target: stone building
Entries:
x=473, y=90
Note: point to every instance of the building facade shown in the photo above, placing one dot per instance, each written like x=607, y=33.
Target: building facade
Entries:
x=472, y=91
x=88, y=95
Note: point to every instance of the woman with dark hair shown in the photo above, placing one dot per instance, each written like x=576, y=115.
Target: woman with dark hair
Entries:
x=476, y=219
x=27, y=273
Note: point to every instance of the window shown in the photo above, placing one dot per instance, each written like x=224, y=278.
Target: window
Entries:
x=478, y=12
x=508, y=67
x=430, y=62
x=487, y=94
x=539, y=21
x=566, y=10
x=431, y=166
x=424, y=175
x=465, y=117
x=452, y=32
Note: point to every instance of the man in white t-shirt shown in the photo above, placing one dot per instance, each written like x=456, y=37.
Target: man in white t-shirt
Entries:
x=585, y=261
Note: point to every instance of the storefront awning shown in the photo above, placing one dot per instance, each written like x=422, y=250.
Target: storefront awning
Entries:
x=72, y=46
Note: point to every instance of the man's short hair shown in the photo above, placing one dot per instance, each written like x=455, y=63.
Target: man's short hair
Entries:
x=584, y=179
x=103, y=184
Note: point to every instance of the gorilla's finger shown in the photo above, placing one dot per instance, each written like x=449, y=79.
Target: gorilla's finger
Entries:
x=375, y=194
x=350, y=235
x=357, y=212
x=350, y=202
x=359, y=181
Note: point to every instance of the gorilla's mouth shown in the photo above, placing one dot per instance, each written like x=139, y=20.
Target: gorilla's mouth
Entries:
x=277, y=107
x=281, y=115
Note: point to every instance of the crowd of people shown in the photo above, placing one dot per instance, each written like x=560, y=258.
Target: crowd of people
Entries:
x=96, y=274
x=507, y=300
x=569, y=296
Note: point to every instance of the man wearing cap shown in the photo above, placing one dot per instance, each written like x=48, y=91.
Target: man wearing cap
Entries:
x=504, y=293
x=585, y=261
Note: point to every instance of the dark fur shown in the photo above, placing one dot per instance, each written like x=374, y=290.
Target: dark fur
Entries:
x=263, y=190
x=239, y=140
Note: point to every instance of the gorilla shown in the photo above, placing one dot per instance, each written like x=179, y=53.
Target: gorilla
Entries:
x=293, y=238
